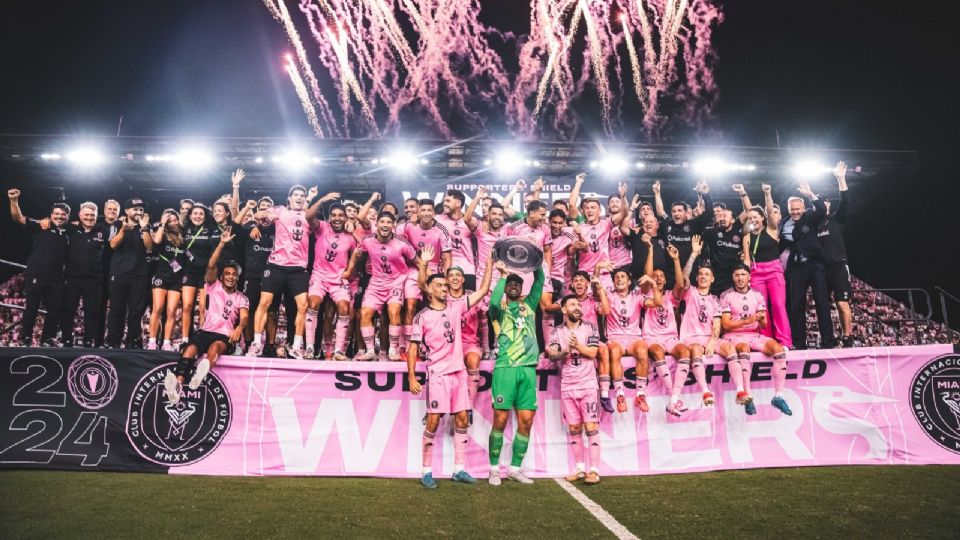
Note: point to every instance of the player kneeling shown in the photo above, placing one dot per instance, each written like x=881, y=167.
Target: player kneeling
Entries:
x=576, y=344
x=221, y=327
x=744, y=314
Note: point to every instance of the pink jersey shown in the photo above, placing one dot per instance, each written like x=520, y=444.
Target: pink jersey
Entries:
x=435, y=236
x=589, y=306
x=222, y=313
x=624, y=318
x=540, y=236
x=461, y=242
x=438, y=333
x=620, y=254
x=485, y=241
x=597, y=237
x=576, y=372
x=661, y=321
x=701, y=311
x=741, y=305
x=291, y=243
x=332, y=251
x=388, y=260
x=560, y=267
x=470, y=323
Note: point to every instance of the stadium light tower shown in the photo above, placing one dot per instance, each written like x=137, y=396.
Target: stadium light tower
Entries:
x=86, y=157
x=193, y=159
x=508, y=162
x=404, y=161
x=809, y=169
x=611, y=164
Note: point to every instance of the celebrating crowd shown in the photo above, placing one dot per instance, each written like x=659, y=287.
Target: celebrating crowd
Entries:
x=628, y=278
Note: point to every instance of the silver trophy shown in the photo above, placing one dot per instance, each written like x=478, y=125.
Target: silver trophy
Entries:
x=520, y=255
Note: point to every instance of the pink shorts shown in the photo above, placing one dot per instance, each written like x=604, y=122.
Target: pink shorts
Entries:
x=623, y=340
x=580, y=405
x=321, y=287
x=756, y=341
x=447, y=394
x=378, y=295
x=471, y=347
x=696, y=340
x=410, y=288
x=667, y=342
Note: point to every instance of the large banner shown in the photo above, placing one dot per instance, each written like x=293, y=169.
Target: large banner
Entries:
x=435, y=190
x=105, y=410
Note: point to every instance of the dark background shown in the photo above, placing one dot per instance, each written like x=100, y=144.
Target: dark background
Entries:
x=838, y=74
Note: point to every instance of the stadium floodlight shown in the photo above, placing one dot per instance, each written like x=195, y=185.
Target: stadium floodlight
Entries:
x=810, y=169
x=50, y=156
x=296, y=160
x=153, y=158
x=508, y=162
x=403, y=161
x=258, y=159
x=641, y=165
x=193, y=159
x=86, y=157
x=711, y=166
x=610, y=164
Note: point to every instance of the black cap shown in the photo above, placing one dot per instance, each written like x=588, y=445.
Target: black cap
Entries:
x=132, y=203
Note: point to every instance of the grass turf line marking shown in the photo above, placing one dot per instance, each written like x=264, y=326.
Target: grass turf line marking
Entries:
x=597, y=511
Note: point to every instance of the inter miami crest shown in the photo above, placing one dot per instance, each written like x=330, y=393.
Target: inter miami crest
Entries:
x=92, y=381
x=181, y=433
x=935, y=400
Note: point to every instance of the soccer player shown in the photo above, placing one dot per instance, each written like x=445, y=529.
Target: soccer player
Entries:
x=575, y=344
x=389, y=257
x=438, y=337
x=563, y=247
x=332, y=249
x=43, y=278
x=595, y=231
x=460, y=226
x=661, y=332
x=624, y=336
x=222, y=321
x=425, y=231
x=830, y=234
x=700, y=327
x=515, y=369
x=744, y=314
x=491, y=229
x=593, y=299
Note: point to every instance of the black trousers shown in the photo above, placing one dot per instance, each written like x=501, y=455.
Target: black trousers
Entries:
x=128, y=300
x=90, y=289
x=800, y=277
x=49, y=291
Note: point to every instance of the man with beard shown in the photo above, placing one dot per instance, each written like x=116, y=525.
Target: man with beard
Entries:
x=222, y=321
x=724, y=245
x=679, y=228
x=128, y=272
x=460, y=227
x=594, y=304
x=43, y=278
x=491, y=229
x=424, y=232
x=575, y=344
x=645, y=238
x=595, y=230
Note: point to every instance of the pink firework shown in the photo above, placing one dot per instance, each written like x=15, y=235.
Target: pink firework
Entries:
x=433, y=60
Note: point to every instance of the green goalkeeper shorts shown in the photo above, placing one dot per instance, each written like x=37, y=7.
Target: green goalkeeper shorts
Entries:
x=514, y=388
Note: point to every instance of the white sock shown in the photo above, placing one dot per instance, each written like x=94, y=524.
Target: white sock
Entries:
x=297, y=342
x=258, y=339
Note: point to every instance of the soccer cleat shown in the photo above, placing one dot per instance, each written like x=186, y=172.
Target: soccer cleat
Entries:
x=518, y=476
x=749, y=407
x=847, y=342
x=339, y=356
x=309, y=354
x=428, y=481
x=464, y=477
x=680, y=406
x=171, y=387
x=641, y=402
x=672, y=409
x=781, y=404
x=256, y=349
x=708, y=399
x=592, y=479
x=743, y=398
x=365, y=356
x=295, y=353
x=606, y=405
x=393, y=355
x=200, y=373
x=578, y=475
x=621, y=404
x=494, y=477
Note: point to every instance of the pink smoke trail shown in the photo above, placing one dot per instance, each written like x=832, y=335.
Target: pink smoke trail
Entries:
x=304, y=96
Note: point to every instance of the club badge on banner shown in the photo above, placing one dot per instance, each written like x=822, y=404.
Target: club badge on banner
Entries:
x=105, y=410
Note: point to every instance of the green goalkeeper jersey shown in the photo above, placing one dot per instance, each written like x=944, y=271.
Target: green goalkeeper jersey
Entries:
x=517, y=341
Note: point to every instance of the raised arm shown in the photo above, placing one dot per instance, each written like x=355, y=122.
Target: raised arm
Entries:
x=426, y=255
x=484, y=287
x=657, y=300
x=603, y=308
x=14, y=195
x=768, y=206
x=648, y=264
x=159, y=233
x=235, y=179
x=508, y=209
x=620, y=216
x=497, y=296
x=121, y=232
x=536, y=290
x=365, y=209
x=696, y=247
x=247, y=209
x=699, y=223
x=145, y=231
x=536, y=189
x=469, y=216
x=819, y=209
x=678, y=277
x=211, y=275
x=575, y=195
x=658, y=201
x=314, y=208
x=351, y=264
x=840, y=214
x=744, y=199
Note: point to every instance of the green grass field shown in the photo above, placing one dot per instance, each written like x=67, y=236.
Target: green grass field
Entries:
x=827, y=502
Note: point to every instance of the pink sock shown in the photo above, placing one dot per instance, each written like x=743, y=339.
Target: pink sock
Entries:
x=618, y=387
x=394, y=332
x=459, y=447
x=699, y=374
x=311, y=327
x=593, y=439
x=367, y=333
x=473, y=382
x=405, y=337
x=663, y=371
x=642, y=384
x=340, y=332
x=484, y=333
x=575, y=440
x=779, y=372
x=746, y=369
x=427, y=449
x=680, y=378
x=604, y=386
x=736, y=373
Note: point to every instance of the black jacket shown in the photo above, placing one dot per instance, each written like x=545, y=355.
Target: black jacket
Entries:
x=805, y=242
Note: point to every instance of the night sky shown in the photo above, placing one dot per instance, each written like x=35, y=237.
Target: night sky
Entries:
x=839, y=74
